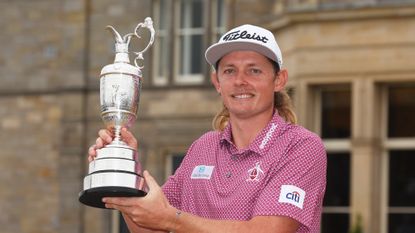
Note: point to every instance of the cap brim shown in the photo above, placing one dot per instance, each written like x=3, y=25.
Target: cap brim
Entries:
x=217, y=51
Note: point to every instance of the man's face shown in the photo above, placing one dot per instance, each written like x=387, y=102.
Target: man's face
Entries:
x=246, y=81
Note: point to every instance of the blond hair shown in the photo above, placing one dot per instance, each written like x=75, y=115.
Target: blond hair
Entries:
x=282, y=103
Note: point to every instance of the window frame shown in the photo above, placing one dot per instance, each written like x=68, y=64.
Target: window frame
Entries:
x=387, y=145
x=209, y=33
x=332, y=145
x=161, y=80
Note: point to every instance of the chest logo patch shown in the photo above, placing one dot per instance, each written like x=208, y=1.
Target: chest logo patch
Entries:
x=202, y=172
x=255, y=173
x=292, y=195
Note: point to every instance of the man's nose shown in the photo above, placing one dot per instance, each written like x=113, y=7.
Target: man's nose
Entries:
x=240, y=79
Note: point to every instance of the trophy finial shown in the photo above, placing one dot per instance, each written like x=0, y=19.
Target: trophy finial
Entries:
x=118, y=38
x=121, y=46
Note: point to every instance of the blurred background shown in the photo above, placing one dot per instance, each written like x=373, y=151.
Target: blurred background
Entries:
x=351, y=67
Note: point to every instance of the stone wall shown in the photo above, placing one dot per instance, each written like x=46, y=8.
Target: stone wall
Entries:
x=29, y=169
x=49, y=68
x=50, y=61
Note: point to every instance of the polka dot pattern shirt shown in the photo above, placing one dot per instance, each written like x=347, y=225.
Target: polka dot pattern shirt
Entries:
x=282, y=173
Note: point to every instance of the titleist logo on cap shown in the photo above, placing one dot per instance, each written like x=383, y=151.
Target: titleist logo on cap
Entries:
x=244, y=35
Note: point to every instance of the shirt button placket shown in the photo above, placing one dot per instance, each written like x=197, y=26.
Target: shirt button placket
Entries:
x=234, y=158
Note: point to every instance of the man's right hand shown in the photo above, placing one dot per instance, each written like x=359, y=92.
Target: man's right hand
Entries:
x=105, y=137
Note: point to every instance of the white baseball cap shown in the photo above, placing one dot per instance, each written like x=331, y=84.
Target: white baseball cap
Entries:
x=245, y=37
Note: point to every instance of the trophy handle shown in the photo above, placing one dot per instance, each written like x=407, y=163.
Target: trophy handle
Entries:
x=148, y=23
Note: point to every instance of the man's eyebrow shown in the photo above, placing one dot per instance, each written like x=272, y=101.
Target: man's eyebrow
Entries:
x=227, y=65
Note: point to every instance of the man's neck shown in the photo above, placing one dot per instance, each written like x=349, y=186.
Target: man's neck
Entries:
x=245, y=130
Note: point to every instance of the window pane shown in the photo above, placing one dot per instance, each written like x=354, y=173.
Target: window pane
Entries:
x=164, y=14
x=191, y=14
x=338, y=180
x=191, y=48
x=336, y=112
x=163, y=55
x=401, y=223
x=220, y=14
x=177, y=160
x=401, y=178
x=401, y=111
x=338, y=223
x=161, y=48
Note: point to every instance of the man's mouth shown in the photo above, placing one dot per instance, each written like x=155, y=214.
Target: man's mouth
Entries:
x=242, y=96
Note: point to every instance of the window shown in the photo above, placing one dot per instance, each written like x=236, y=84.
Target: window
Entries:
x=161, y=47
x=337, y=198
x=190, y=42
x=335, y=117
x=219, y=19
x=173, y=162
x=185, y=28
x=333, y=122
x=399, y=157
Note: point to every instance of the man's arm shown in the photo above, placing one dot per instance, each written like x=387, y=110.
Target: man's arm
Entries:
x=154, y=212
x=132, y=227
x=261, y=224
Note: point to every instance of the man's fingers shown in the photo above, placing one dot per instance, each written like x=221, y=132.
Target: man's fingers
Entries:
x=105, y=135
x=151, y=182
x=121, y=208
x=104, y=138
x=129, y=138
x=99, y=143
x=92, y=153
x=120, y=201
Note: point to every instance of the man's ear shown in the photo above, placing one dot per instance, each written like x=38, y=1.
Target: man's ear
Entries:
x=215, y=81
x=281, y=80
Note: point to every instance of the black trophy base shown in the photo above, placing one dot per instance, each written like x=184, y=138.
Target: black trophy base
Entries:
x=93, y=197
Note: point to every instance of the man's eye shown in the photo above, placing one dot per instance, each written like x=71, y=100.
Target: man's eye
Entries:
x=255, y=71
x=229, y=71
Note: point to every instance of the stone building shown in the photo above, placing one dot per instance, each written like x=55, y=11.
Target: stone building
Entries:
x=351, y=68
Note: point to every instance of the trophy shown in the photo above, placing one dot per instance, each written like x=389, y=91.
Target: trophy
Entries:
x=116, y=171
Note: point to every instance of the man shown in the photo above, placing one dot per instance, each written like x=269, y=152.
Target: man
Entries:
x=257, y=172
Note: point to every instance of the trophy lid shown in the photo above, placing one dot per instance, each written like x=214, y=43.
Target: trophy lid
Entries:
x=124, y=68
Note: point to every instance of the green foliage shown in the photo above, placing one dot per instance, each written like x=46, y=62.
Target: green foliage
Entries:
x=357, y=227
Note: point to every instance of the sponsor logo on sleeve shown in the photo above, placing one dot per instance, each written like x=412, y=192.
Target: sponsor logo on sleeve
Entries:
x=268, y=136
x=292, y=195
x=202, y=172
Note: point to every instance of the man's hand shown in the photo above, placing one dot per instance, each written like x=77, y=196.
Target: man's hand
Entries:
x=105, y=137
x=152, y=211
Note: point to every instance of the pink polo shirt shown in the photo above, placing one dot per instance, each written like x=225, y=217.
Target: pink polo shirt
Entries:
x=283, y=172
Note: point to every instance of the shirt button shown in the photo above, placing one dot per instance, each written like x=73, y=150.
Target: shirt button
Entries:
x=228, y=174
x=234, y=157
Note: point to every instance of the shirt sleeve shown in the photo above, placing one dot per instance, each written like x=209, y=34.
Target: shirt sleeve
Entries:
x=173, y=187
x=172, y=191
x=296, y=186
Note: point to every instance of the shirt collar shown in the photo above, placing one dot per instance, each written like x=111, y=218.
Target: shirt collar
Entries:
x=263, y=140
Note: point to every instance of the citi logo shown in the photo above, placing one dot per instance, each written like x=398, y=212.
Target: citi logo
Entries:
x=295, y=196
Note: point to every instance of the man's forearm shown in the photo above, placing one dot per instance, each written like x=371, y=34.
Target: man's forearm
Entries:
x=188, y=223
x=134, y=228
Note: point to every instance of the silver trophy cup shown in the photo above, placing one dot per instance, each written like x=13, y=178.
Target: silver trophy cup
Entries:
x=116, y=171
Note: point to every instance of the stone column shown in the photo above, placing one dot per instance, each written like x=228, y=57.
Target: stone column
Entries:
x=365, y=161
